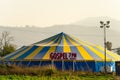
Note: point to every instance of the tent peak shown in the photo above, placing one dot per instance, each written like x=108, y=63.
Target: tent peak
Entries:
x=62, y=33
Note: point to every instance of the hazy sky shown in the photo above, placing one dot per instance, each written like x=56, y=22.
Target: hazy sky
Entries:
x=49, y=12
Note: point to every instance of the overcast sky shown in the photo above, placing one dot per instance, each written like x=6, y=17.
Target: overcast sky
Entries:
x=50, y=12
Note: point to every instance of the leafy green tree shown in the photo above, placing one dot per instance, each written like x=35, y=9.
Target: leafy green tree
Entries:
x=109, y=45
x=8, y=49
x=6, y=46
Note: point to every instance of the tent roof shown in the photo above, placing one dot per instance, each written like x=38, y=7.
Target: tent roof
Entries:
x=60, y=39
x=62, y=43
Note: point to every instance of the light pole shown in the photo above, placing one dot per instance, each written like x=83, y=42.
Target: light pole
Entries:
x=104, y=26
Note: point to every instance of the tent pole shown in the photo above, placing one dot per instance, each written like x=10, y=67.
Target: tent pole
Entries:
x=52, y=62
x=73, y=66
x=88, y=68
x=62, y=65
x=29, y=63
x=40, y=63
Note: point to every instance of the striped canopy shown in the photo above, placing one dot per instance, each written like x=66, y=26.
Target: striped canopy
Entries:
x=62, y=43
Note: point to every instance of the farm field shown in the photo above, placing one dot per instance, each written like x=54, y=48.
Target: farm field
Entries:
x=63, y=77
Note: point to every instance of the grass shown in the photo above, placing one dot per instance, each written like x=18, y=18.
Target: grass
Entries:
x=48, y=73
x=23, y=77
x=18, y=70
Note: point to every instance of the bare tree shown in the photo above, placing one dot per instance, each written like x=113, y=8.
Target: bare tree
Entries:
x=5, y=43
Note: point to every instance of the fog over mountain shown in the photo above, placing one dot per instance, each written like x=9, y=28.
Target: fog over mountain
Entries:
x=94, y=22
x=86, y=30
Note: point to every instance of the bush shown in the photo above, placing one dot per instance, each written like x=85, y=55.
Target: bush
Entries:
x=36, y=70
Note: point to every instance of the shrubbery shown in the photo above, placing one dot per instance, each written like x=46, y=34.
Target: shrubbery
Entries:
x=47, y=70
x=18, y=70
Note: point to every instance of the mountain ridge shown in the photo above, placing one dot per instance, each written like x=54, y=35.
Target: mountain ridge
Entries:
x=27, y=36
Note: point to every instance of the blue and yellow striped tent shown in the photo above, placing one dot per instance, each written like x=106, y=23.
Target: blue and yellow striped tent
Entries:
x=87, y=55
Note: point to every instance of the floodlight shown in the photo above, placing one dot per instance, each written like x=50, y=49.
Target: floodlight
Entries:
x=107, y=26
x=101, y=22
x=108, y=22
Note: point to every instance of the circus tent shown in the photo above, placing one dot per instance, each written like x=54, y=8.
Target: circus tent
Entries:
x=65, y=52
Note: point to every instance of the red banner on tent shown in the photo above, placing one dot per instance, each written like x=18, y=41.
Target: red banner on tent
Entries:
x=63, y=56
